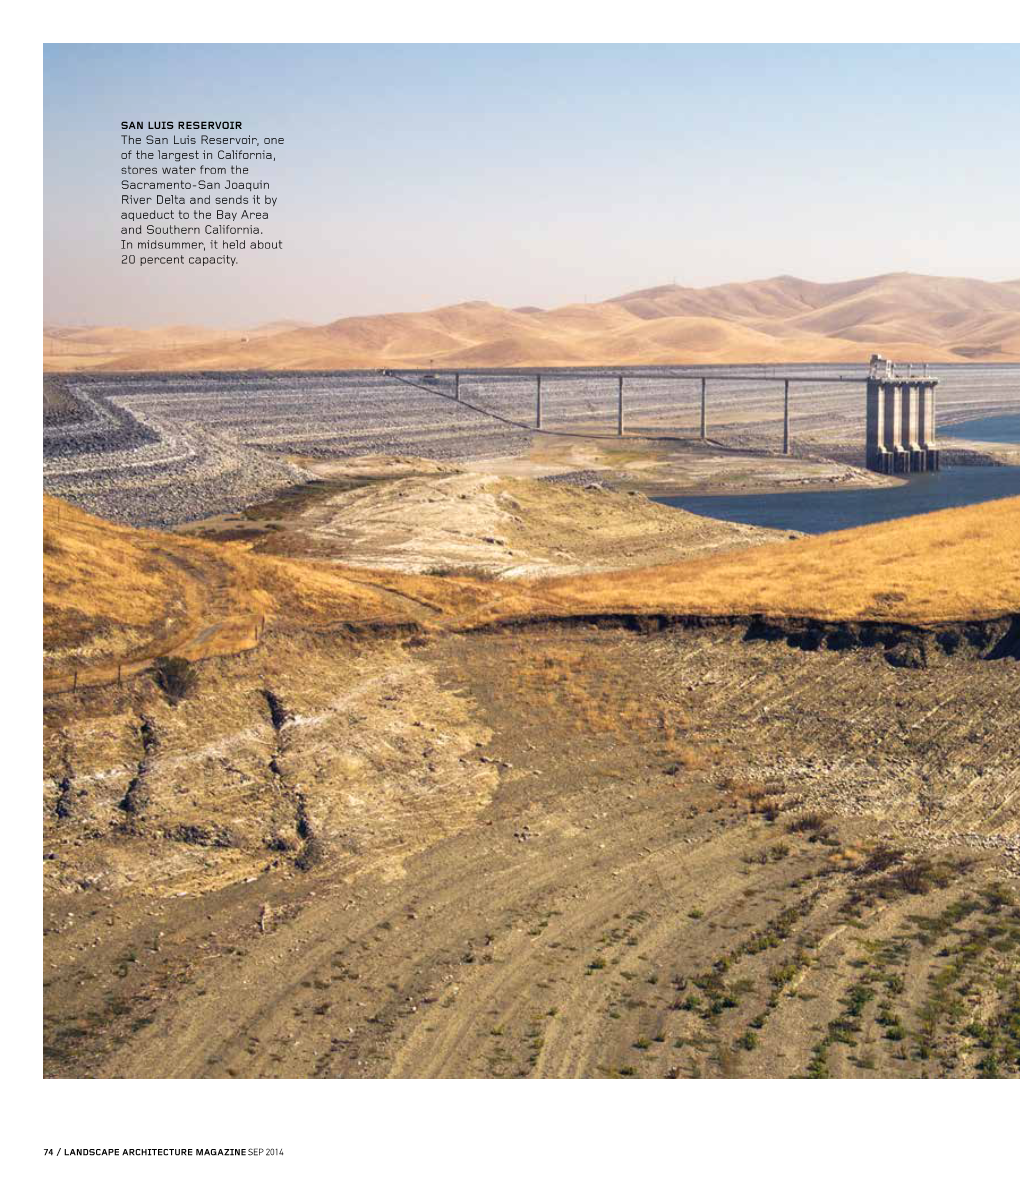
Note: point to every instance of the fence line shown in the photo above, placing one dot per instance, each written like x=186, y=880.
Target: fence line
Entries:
x=116, y=672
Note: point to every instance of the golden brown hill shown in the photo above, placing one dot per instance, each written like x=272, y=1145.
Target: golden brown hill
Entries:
x=70, y=348
x=118, y=595
x=957, y=564
x=902, y=315
x=368, y=342
x=112, y=594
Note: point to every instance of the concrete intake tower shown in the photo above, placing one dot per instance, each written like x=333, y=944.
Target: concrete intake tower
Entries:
x=900, y=420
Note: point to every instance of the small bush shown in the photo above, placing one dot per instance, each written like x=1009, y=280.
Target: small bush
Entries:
x=467, y=571
x=686, y=758
x=808, y=824
x=917, y=878
x=881, y=859
x=175, y=676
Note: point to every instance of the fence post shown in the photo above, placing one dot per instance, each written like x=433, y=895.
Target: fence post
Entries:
x=74, y=687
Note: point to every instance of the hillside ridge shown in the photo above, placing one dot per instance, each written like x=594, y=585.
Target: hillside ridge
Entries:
x=785, y=319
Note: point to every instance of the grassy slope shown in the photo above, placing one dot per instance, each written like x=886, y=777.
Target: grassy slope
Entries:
x=960, y=563
x=113, y=593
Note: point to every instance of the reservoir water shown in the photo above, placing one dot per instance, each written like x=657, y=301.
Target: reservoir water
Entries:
x=1003, y=428
x=822, y=512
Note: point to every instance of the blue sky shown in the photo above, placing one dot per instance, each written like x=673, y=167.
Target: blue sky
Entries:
x=416, y=176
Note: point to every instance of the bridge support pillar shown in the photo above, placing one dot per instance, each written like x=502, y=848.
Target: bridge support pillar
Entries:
x=875, y=450
x=900, y=425
x=900, y=460
x=619, y=410
x=926, y=424
x=703, y=426
x=786, y=417
x=538, y=402
x=908, y=422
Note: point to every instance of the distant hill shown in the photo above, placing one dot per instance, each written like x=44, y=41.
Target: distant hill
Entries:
x=904, y=316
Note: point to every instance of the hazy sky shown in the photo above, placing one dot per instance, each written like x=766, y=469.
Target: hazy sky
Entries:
x=417, y=176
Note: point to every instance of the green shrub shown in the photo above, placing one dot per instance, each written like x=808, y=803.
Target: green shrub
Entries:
x=175, y=676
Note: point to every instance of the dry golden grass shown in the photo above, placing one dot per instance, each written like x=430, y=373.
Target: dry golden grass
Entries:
x=960, y=563
x=113, y=594
x=578, y=682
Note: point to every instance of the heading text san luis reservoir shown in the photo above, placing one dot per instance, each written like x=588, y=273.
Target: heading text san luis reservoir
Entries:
x=188, y=199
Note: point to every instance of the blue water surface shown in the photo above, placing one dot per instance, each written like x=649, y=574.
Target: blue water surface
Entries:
x=1003, y=428
x=821, y=512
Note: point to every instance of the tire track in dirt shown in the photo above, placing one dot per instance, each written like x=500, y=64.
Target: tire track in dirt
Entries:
x=503, y=997
x=456, y=940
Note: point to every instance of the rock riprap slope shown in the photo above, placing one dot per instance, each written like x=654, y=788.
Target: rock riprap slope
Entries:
x=161, y=451
x=164, y=449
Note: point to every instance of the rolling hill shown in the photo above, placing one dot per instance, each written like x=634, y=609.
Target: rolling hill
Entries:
x=114, y=596
x=902, y=315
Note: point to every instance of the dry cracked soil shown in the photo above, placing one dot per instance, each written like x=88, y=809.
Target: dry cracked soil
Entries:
x=568, y=852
